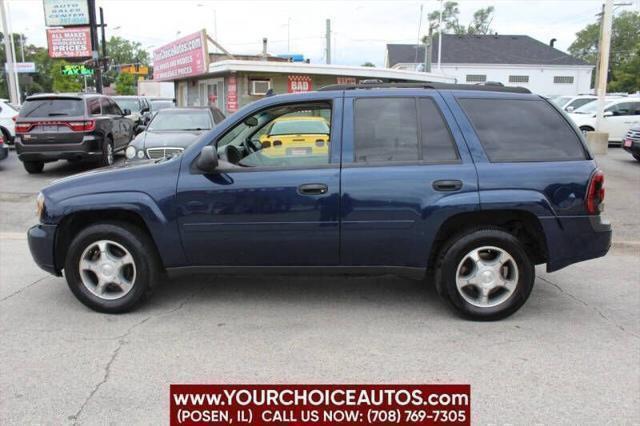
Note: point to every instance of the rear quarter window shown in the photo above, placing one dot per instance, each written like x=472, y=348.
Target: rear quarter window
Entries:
x=53, y=107
x=512, y=130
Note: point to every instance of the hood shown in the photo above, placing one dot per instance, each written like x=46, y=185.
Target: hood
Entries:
x=169, y=138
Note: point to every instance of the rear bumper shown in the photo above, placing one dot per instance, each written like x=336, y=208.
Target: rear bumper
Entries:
x=42, y=246
x=90, y=147
x=575, y=239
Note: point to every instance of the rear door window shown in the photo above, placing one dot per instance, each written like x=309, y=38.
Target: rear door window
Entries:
x=93, y=105
x=437, y=143
x=512, y=130
x=52, y=107
x=386, y=130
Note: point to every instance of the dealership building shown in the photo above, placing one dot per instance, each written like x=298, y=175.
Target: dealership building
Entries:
x=231, y=81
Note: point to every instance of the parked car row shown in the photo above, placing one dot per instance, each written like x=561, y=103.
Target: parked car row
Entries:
x=51, y=127
x=620, y=114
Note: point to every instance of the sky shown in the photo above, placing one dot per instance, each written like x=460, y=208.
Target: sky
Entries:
x=360, y=29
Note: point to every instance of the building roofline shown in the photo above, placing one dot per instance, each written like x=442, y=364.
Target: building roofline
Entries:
x=231, y=65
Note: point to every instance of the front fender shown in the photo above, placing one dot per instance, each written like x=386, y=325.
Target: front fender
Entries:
x=164, y=231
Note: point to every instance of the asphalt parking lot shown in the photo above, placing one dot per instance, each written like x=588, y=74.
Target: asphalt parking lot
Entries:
x=571, y=355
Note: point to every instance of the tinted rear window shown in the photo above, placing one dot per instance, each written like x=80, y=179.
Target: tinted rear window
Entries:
x=39, y=108
x=522, y=130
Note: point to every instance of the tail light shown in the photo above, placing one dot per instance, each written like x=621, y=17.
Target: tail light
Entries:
x=319, y=142
x=82, y=126
x=266, y=144
x=23, y=127
x=277, y=143
x=595, y=193
x=76, y=126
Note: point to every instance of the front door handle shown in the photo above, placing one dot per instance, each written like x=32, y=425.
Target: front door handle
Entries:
x=312, y=189
x=447, y=185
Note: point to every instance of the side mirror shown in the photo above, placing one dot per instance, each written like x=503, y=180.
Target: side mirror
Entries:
x=208, y=160
x=144, y=110
x=139, y=129
x=126, y=111
x=250, y=121
x=570, y=109
x=608, y=114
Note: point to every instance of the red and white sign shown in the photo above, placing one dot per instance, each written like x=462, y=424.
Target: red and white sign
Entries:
x=185, y=57
x=346, y=80
x=299, y=83
x=232, y=94
x=69, y=42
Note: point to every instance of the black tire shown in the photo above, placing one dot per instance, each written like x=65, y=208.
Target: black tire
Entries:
x=141, y=248
x=636, y=156
x=455, y=250
x=7, y=136
x=33, y=166
x=107, y=157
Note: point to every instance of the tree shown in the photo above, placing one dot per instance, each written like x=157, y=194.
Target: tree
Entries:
x=125, y=84
x=625, y=48
x=368, y=64
x=121, y=52
x=481, y=23
x=65, y=83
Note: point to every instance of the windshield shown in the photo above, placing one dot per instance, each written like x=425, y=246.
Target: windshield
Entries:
x=131, y=104
x=590, y=108
x=38, y=108
x=561, y=100
x=158, y=105
x=181, y=120
x=296, y=127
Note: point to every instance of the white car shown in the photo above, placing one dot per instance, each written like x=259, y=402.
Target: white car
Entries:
x=619, y=116
x=571, y=103
x=7, y=125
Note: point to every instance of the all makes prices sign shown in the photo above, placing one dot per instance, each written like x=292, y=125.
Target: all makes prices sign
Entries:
x=299, y=83
x=69, y=42
x=185, y=57
x=61, y=13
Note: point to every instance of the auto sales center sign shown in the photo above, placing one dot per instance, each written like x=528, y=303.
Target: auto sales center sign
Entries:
x=185, y=57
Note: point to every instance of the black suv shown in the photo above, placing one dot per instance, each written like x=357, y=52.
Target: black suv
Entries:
x=72, y=127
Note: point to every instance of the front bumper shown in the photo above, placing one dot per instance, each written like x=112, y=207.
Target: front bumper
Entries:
x=574, y=239
x=42, y=246
x=634, y=148
x=90, y=147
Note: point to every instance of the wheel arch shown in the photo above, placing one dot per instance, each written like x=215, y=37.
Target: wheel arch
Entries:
x=523, y=224
x=75, y=222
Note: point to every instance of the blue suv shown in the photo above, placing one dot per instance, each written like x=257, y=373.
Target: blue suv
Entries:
x=470, y=186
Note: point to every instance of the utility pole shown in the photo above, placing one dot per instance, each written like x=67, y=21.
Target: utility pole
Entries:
x=427, y=50
x=603, y=60
x=440, y=37
x=104, y=41
x=95, y=53
x=328, y=41
x=10, y=59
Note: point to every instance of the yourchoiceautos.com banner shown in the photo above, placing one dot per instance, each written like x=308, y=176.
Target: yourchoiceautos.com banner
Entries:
x=320, y=404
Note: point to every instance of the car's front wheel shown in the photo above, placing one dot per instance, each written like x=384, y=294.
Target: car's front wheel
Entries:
x=485, y=274
x=110, y=267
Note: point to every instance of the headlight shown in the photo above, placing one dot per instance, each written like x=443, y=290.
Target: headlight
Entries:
x=40, y=204
x=130, y=152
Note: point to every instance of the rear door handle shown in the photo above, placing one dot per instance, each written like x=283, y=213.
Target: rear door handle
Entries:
x=312, y=189
x=447, y=185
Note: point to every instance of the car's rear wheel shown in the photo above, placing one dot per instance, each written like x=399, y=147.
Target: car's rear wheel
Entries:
x=33, y=166
x=111, y=267
x=485, y=274
x=107, y=153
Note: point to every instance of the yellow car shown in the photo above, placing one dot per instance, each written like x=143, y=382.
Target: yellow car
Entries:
x=299, y=135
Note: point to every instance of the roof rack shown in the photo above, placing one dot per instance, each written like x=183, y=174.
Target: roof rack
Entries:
x=427, y=85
